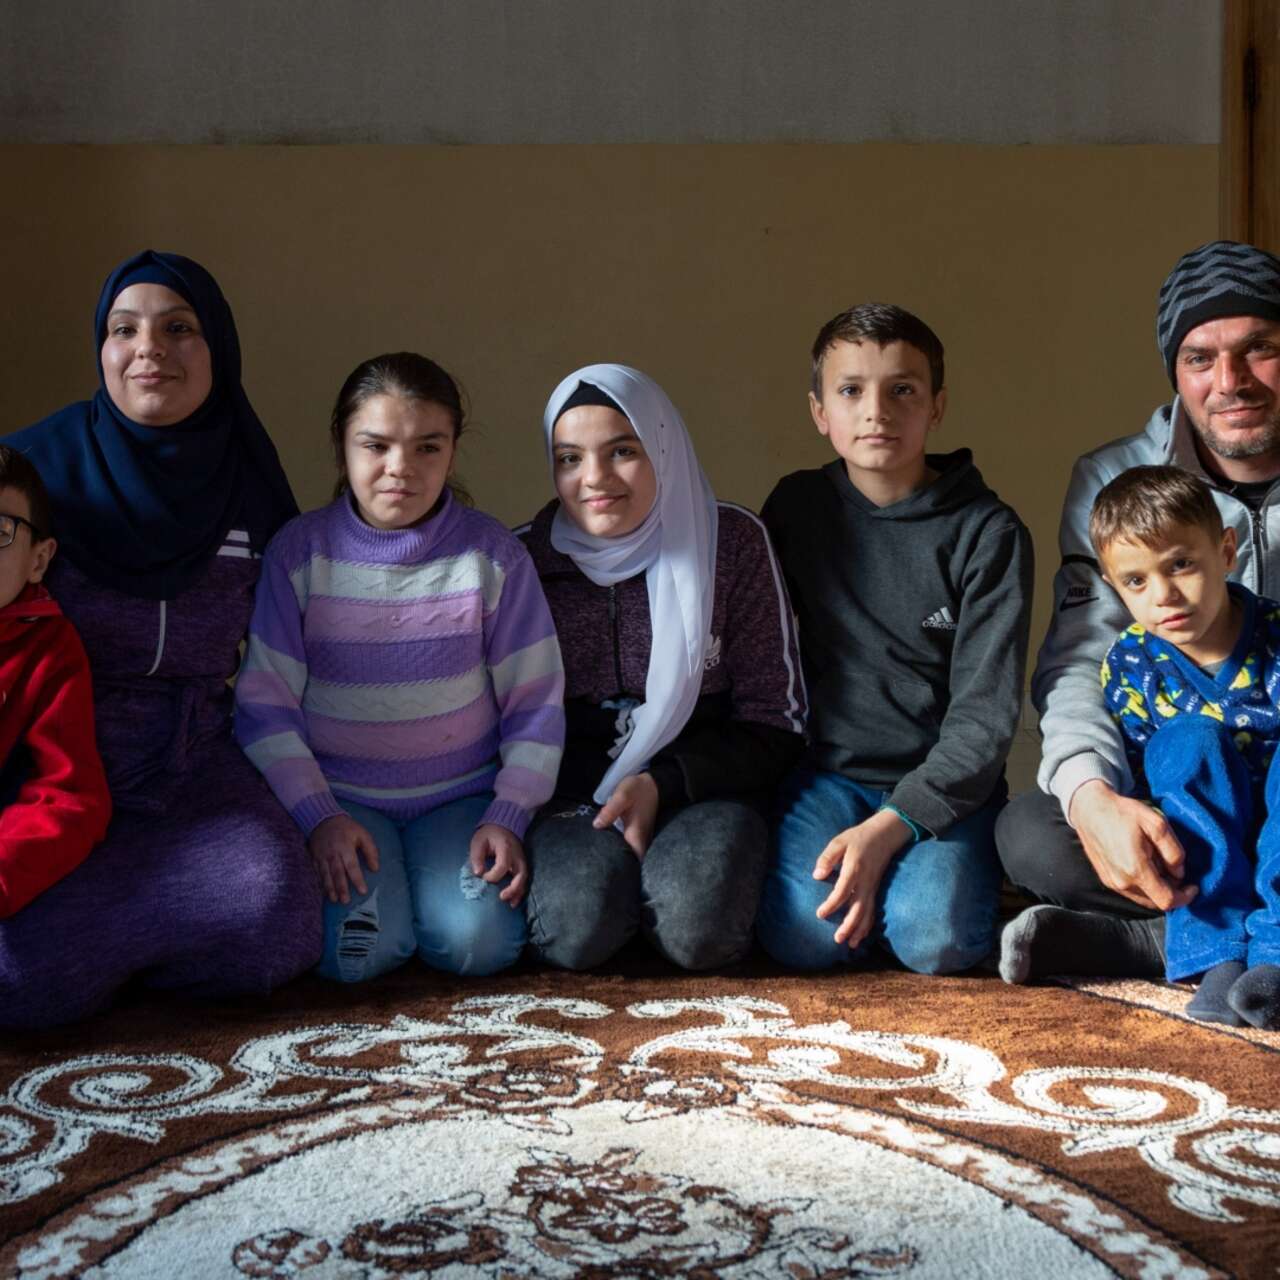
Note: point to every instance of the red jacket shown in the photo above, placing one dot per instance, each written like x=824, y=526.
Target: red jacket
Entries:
x=62, y=808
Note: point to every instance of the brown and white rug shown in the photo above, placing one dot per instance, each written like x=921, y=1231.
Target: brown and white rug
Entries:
x=657, y=1125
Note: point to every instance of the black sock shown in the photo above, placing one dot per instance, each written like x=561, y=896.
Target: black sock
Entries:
x=1209, y=1004
x=1047, y=940
x=1255, y=996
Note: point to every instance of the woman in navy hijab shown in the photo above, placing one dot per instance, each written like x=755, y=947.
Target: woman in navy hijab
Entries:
x=165, y=489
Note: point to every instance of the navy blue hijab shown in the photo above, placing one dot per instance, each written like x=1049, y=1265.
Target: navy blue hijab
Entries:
x=142, y=509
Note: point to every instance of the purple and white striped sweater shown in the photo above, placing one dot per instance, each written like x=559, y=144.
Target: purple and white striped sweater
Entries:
x=401, y=669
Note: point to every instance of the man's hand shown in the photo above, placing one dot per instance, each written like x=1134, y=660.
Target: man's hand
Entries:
x=1131, y=846
x=862, y=853
x=492, y=843
x=635, y=802
x=336, y=846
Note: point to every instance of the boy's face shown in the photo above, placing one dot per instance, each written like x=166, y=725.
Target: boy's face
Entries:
x=1178, y=590
x=25, y=559
x=877, y=408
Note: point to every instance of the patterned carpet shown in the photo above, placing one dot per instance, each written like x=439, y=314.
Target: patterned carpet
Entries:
x=644, y=1124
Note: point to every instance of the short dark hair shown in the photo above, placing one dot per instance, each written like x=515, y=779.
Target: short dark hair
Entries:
x=881, y=323
x=395, y=373
x=17, y=471
x=1143, y=505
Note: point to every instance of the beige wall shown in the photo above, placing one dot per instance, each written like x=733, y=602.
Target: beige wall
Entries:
x=708, y=267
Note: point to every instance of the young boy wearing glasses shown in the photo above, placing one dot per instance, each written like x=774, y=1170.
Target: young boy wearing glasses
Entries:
x=53, y=792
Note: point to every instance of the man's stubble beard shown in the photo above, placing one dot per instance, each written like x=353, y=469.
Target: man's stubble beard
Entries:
x=1225, y=447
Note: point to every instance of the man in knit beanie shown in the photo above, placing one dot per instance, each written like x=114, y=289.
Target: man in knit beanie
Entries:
x=1105, y=866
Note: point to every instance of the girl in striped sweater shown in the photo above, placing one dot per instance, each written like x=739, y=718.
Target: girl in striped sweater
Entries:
x=402, y=690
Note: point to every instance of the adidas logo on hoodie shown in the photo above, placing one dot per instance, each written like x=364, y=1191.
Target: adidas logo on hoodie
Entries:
x=940, y=621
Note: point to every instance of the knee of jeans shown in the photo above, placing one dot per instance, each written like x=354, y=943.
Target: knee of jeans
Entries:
x=940, y=945
x=578, y=948
x=571, y=938
x=797, y=939
x=357, y=948
x=474, y=934
x=353, y=944
x=471, y=951
x=704, y=945
x=581, y=925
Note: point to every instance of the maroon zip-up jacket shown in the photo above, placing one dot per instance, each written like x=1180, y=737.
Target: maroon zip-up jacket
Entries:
x=746, y=728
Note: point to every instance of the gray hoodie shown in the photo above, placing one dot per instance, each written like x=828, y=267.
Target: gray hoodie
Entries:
x=1080, y=740
x=913, y=631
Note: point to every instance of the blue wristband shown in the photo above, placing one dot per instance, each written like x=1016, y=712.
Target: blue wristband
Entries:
x=917, y=833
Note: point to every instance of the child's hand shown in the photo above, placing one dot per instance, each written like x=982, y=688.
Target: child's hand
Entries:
x=336, y=845
x=863, y=853
x=492, y=842
x=635, y=801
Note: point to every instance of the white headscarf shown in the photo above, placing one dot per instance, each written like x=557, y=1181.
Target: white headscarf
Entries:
x=675, y=548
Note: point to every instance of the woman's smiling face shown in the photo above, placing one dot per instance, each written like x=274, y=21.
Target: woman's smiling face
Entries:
x=604, y=479
x=155, y=361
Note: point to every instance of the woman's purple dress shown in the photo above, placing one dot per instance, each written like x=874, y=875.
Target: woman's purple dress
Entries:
x=203, y=882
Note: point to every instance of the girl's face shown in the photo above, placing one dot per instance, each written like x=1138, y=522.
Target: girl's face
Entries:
x=604, y=478
x=399, y=454
x=155, y=361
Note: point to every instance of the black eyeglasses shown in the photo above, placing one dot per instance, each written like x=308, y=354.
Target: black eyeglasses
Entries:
x=9, y=529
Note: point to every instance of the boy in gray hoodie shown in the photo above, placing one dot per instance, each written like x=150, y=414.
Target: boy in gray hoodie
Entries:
x=912, y=587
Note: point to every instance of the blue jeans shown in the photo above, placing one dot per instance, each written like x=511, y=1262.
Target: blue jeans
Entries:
x=1204, y=789
x=422, y=898
x=936, y=907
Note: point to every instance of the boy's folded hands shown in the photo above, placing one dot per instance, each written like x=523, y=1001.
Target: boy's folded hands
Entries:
x=863, y=854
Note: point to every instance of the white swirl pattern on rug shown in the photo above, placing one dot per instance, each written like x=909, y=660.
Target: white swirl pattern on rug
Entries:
x=539, y=1207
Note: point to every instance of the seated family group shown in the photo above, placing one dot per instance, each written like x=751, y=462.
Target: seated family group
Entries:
x=647, y=711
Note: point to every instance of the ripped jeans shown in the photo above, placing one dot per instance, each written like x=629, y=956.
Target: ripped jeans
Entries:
x=422, y=898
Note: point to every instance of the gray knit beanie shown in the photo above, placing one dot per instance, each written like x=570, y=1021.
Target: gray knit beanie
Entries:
x=1222, y=278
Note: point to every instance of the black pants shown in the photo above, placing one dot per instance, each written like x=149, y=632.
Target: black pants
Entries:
x=694, y=894
x=1041, y=854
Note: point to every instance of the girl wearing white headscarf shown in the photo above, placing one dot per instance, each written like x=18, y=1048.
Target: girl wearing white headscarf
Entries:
x=684, y=699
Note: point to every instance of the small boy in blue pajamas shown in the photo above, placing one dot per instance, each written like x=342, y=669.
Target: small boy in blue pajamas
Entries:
x=1194, y=685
